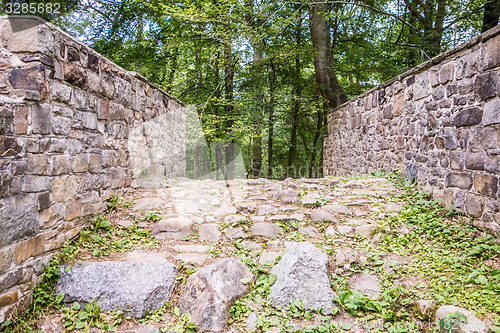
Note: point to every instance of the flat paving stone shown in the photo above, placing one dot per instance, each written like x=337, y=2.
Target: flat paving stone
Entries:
x=252, y=245
x=309, y=231
x=267, y=210
x=321, y=215
x=225, y=210
x=191, y=258
x=230, y=219
x=365, y=230
x=268, y=230
x=366, y=283
x=209, y=232
x=269, y=256
x=148, y=204
x=233, y=233
x=337, y=209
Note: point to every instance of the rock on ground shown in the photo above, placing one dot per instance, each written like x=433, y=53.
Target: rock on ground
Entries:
x=471, y=325
x=302, y=273
x=367, y=284
x=210, y=292
x=132, y=287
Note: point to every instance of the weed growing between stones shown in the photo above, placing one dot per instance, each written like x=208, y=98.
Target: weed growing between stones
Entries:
x=101, y=238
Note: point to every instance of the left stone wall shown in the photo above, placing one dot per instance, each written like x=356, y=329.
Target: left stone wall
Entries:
x=66, y=114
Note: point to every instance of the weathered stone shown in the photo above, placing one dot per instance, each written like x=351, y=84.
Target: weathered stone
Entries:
x=230, y=219
x=486, y=184
x=367, y=284
x=343, y=229
x=11, y=278
x=337, y=209
x=8, y=298
x=267, y=210
x=475, y=161
x=173, y=224
x=251, y=245
x=268, y=230
x=233, y=233
x=148, y=204
x=474, y=205
x=5, y=259
x=485, y=85
x=472, y=324
x=225, y=210
x=491, y=112
x=19, y=216
x=320, y=215
x=246, y=207
x=461, y=180
x=308, y=231
x=468, y=117
x=302, y=273
x=210, y=292
x=75, y=75
x=132, y=287
x=269, y=256
x=209, y=232
x=28, y=78
x=365, y=230
x=191, y=258
x=148, y=329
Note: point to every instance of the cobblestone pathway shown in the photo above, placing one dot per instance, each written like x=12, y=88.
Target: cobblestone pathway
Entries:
x=197, y=223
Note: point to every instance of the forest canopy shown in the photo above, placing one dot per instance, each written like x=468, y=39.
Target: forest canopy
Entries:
x=263, y=74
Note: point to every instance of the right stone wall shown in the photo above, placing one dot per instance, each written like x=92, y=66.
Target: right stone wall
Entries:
x=439, y=123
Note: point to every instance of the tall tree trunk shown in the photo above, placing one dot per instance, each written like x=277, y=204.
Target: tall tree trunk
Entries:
x=491, y=14
x=217, y=95
x=272, y=86
x=319, y=124
x=257, y=140
x=257, y=59
x=298, y=97
x=323, y=57
x=229, y=96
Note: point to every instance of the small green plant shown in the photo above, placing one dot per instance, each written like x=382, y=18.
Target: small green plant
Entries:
x=356, y=304
x=452, y=322
x=182, y=323
x=152, y=217
x=113, y=202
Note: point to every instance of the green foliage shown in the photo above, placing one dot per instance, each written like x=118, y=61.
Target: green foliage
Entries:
x=112, y=203
x=152, y=217
x=355, y=303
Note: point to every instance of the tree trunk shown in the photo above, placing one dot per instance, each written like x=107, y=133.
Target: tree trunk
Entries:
x=491, y=14
x=319, y=124
x=272, y=85
x=323, y=57
x=228, y=95
x=298, y=97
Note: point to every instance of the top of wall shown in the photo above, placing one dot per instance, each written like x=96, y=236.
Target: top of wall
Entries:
x=35, y=35
x=428, y=64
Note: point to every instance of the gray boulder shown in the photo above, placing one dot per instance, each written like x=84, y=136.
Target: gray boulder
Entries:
x=132, y=287
x=210, y=292
x=302, y=273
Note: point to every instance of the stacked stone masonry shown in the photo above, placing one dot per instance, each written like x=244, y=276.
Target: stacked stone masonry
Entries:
x=74, y=129
x=439, y=123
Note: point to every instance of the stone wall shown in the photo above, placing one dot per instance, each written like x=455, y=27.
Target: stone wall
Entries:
x=438, y=123
x=74, y=129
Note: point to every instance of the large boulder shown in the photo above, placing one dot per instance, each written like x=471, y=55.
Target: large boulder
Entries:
x=302, y=273
x=210, y=292
x=132, y=287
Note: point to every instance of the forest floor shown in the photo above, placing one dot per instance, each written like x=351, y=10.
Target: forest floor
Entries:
x=394, y=255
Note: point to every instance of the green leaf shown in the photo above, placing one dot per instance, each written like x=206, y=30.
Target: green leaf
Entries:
x=59, y=298
x=335, y=311
x=177, y=312
x=79, y=324
x=83, y=315
x=246, y=280
x=495, y=329
x=482, y=279
x=272, y=279
x=76, y=306
x=88, y=307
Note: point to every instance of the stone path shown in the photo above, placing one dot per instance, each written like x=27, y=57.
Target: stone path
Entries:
x=199, y=223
